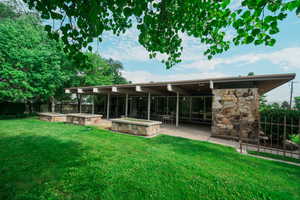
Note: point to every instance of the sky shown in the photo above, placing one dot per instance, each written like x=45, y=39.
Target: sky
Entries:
x=284, y=57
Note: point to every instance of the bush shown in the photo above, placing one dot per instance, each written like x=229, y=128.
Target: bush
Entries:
x=296, y=139
x=276, y=116
x=23, y=115
x=9, y=108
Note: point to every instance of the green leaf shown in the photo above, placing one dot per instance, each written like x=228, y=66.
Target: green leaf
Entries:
x=249, y=39
x=48, y=28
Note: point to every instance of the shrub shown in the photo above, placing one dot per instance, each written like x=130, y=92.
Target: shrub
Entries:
x=296, y=138
x=272, y=123
x=9, y=108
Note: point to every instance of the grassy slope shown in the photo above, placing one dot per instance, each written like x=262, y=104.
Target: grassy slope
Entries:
x=41, y=160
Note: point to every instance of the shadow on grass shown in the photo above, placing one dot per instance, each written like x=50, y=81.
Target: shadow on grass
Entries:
x=191, y=147
x=30, y=163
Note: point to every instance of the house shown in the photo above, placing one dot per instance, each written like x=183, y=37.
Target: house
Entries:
x=229, y=105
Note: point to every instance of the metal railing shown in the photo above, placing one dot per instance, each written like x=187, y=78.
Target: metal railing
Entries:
x=274, y=137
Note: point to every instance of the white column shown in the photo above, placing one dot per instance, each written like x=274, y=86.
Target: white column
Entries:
x=167, y=105
x=93, y=104
x=177, y=109
x=80, y=101
x=53, y=105
x=149, y=105
x=126, y=106
x=107, y=111
x=191, y=108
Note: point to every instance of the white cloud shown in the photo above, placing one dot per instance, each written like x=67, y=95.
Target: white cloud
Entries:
x=142, y=76
x=127, y=48
x=286, y=58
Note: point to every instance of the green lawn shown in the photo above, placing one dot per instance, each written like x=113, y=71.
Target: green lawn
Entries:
x=42, y=160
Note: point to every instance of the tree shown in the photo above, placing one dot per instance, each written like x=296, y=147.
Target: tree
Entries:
x=115, y=70
x=31, y=64
x=297, y=102
x=262, y=102
x=96, y=71
x=161, y=23
x=285, y=105
x=6, y=11
x=275, y=105
x=34, y=67
x=251, y=74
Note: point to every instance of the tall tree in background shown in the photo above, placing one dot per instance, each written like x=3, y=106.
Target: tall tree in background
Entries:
x=162, y=24
x=96, y=71
x=34, y=67
x=263, y=103
x=115, y=71
x=7, y=12
x=285, y=105
x=31, y=64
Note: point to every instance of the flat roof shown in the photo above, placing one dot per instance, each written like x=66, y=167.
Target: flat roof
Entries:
x=264, y=83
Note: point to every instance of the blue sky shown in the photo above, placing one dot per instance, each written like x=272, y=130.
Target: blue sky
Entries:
x=284, y=57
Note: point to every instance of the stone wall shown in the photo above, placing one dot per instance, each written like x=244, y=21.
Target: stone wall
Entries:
x=235, y=113
x=52, y=117
x=83, y=119
x=135, y=128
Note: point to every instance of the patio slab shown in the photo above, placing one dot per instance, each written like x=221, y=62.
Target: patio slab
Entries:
x=195, y=132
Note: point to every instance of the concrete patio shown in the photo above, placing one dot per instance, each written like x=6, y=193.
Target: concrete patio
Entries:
x=190, y=131
x=195, y=132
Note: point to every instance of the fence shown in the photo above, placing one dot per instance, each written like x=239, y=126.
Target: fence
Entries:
x=62, y=108
x=275, y=136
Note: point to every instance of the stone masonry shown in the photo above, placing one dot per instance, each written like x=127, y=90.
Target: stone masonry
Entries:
x=149, y=128
x=52, y=117
x=83, y=119
x=235, y=113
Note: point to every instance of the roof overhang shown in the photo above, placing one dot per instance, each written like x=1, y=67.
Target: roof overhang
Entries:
x=264, y=83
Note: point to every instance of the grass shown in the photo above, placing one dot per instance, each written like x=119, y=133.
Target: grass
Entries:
x=43, y=160
x=279, y=157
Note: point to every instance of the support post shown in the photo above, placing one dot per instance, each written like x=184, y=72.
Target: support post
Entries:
x=80, y=101
x=284, y=136
x=177, y=109
x=149, y=105
x=93, y=104
x=53, y=105
x=190, y=112
x=107, y=111
x=126, y=106
x=167, y=105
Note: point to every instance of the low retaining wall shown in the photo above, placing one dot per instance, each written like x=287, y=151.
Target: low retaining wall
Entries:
x=52, y=117
x=136, y=126
x=83, y=119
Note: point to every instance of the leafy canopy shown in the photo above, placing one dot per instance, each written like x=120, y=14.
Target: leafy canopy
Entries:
x=31, y=64
x=6, y=11
x=33, y=67
x=162, y=22
x=97, y=71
